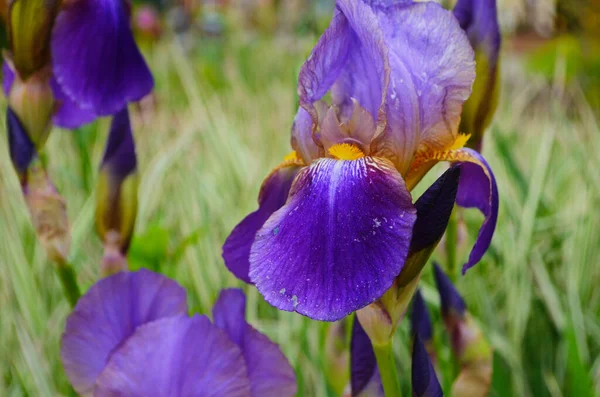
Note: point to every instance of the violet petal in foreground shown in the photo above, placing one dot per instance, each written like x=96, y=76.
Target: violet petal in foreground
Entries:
x=364, y=374
x=269, y=371
x=176, y=356
x=424, y=379
x=338, y=243
x=477, y=189
x=272, y=196
x=95, y=58
x=108, y=314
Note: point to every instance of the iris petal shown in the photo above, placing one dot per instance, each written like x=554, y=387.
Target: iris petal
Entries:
x=338, y=243
x=424, y=379
x=176, y=356
x=364, y=374
x=420, y=319
x=272, y=196
x=433, y=69
x=108, y=314
x=95, y=58
x=268, y=369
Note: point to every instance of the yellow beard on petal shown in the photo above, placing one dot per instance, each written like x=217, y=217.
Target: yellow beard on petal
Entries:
x=346, y=151
x=460, y=142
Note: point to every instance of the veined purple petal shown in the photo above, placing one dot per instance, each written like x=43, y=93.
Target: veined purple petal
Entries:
x=424, y=379
x=273, y=195
x=433, y=70
x=364, y=374
x=449, y=296
x=176, y=356
x=95, y=58
x=268, y=369
x=338, y=243
x=108, y=314
x=420, y=320
x=22, y=150
x=351, y=53
x=119, y=154
x=477, y=189
x=69, y=115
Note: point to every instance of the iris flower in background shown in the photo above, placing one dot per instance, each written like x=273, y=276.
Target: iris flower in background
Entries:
x=421, y=326
x=335, y=220
x=130, y=335
x=479, y=19
x=96, y=67
x=365, y=377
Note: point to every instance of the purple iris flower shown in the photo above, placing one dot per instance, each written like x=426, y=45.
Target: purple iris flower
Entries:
x=335, y=220
x=130, y=336
x=97, y=67
x=364, y=374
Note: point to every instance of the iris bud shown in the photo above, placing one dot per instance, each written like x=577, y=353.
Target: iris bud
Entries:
x=434, y=207
x=421, y=325
x=469, y=346
x=32, y=100
x=30, y=25
x=116, y=194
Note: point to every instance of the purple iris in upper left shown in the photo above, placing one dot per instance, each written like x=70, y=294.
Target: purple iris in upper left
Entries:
x=97, y=67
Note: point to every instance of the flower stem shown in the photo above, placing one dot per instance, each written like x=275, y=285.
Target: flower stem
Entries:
x=387, y=369
x=451, y=243
x=66, y=274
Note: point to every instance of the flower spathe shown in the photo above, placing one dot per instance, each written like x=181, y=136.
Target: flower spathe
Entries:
x=130, y=335
x=398, y=73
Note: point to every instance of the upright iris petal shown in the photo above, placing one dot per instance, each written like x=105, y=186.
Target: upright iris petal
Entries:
x=22, y=150
x=339, y=241
x=364, y=374
x=95, y=58
x=424, y=379
x=269, y=371
x=420, y=320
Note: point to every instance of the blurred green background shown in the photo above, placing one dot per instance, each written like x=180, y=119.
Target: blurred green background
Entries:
x=220, y=120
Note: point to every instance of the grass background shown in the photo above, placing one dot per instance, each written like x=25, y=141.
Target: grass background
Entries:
x=222, y=120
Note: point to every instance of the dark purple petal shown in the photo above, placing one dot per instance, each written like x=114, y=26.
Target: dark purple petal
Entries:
x=273, y=195
x=8, y=78
x=176, y=356
x=268, y=369
x=424, y=379
x=95, y=58
x=434, y=208
x=450, y=299
x=433, y=69
x=479, y=19
x=69, y=115
x=119, y=155
x=338, y=243
x=108, y=314
x=419, y=319
x=364, y=374
x=22, y=150
x=477, y=189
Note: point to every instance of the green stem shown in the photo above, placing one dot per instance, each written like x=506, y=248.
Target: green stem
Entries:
x=451, y=243
x=387, y=370
x=67, y=277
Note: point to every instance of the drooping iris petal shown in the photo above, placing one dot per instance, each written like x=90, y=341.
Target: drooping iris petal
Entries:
x=22, y=150
x=449, y=296
x=479, y=19
x=424, y=379
x=176, y=356
x=272, y=196
x=95, y=58
x=364, y=374
x=338, y=243
x=433, y=69
x=269, y=371
x=351, y=53
x=419, y=319
x=69, y=115
x=108, y=314
x=477, y=189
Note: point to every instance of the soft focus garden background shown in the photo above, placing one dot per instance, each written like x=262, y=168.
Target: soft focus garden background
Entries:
x=220, y=120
